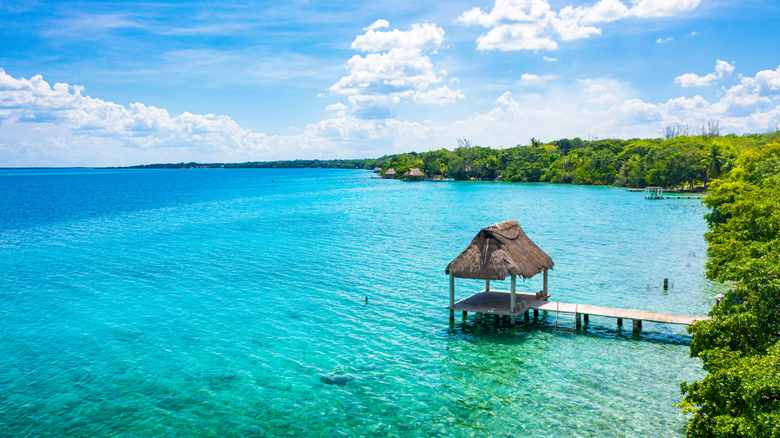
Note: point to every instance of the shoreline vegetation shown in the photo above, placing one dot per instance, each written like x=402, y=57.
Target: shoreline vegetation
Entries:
x=682, y=162
x=740, y=346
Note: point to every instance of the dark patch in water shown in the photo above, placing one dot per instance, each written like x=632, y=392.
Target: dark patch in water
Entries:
x=336, y=380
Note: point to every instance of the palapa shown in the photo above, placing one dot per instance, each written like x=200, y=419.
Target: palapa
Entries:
x=414, y=173
x=499, y=251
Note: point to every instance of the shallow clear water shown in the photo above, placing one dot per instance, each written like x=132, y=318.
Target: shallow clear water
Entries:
x=233, y=303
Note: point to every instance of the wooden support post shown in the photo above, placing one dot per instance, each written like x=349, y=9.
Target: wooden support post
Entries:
x=512, y=320
x=465, y=314
x=620, y=322
x=578, y=318
x=544, y=289
x=487, y=285
x=513, y=296
x=666, y=283
x=452, y=297
x=479, y=318
x=536, y=313
x=527, y=315
x=637, y=326
x=587, y=319
x=497, y=319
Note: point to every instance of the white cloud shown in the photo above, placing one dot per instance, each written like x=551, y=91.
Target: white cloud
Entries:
x=439, y=96
x=606, y=98
x=662, y=8
x=421, y=37
x=591, y=86
x=722, y=69
x=397, y=68
x=605, y=11
x=534, y=25
x=59, y=125
x=601, y=107
x=664, y=40
x=549, y=59
x=529, y=78
x=378, y=24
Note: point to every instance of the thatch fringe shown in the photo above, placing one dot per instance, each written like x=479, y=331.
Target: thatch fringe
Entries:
x=498, y=251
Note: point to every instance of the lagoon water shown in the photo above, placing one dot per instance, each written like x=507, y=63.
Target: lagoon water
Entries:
x=233, y=303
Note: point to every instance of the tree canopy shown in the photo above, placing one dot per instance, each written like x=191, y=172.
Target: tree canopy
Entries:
x=740, y=346
x=676, y=162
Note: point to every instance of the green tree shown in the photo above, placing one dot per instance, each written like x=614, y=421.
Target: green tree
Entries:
x=740, y=346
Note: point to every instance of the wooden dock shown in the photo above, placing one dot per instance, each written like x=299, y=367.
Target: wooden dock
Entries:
x=684, y=197
x=497, y=302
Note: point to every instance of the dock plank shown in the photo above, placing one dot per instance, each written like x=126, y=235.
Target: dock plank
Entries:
x=497, y=302
x=617, y=312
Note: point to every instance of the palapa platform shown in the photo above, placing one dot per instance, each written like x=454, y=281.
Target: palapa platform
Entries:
x=504, y=250
x=497, y=302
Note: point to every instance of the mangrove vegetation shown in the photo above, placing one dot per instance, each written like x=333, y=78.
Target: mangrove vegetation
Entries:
x=740, y=346
x=675, y=162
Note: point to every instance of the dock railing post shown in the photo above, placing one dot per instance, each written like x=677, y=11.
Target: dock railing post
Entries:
x=513, y=295
x=544, y=289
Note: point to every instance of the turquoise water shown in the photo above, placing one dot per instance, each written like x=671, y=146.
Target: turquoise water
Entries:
x=212, y=302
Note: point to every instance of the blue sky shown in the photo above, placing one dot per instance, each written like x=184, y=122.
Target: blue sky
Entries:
x=118, y=83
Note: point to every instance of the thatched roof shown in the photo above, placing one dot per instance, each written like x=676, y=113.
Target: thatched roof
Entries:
x=499, y=251
x=390, y=172
x=414, y=172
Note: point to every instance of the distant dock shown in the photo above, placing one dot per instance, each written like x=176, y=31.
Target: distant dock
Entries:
x=497, y=302
x=658, y=193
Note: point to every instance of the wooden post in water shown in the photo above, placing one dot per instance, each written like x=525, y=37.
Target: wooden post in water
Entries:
x=637, y=326
x=487, y=285
x=536, y=313
x=544, y=288
x=512, y=320
x=620, y=322
x=587, y=319
x=465, y=314
x=578, y=318
x=452, y=298
x=479, y=318
x=527, y=315
x=666, y=283
x=513, y=296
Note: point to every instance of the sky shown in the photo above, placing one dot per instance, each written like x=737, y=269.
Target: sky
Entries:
x=120, y=83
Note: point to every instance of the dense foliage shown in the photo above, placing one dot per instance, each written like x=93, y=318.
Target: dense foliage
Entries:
x=675, y=162
x=740, y=345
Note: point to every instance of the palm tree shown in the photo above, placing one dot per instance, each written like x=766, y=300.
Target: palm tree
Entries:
x=715, y=160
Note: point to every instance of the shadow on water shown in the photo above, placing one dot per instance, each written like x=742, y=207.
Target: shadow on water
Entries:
x=499, y=331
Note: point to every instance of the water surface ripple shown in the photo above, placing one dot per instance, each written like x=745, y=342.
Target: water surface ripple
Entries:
x=233, y=303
